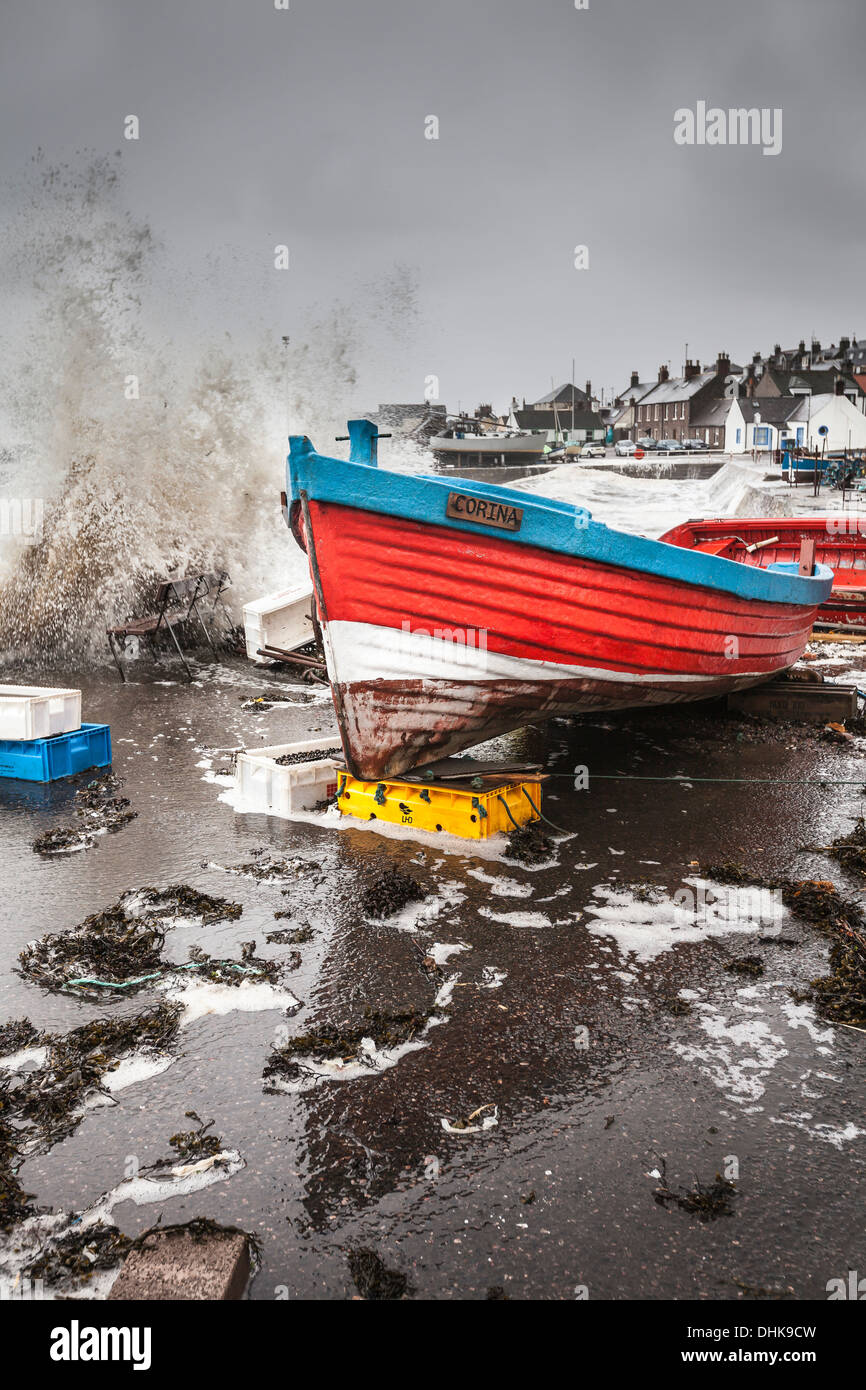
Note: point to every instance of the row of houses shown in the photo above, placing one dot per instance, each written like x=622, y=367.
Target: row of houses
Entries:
x=796, y=398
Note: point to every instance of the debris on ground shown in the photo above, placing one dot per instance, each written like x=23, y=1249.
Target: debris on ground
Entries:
x=44, y=1105
x=468, y=1126
x=263, y=867
x=383, y=892
x=179, y=900
x=850, y=850
x=528, y=844
x=841, y=995
x=707, y=1201
x=99, y=811
x=373, y=1280
x=344, y=1041
x=120, y=947
x=18, y=1034
x=108, y=948
x=79, y=1253
x=676, y=1006
x=283, y=937
x=745, y=965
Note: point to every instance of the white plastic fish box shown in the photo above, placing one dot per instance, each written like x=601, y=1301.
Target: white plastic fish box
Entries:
x=272, y=790
x=38, y=711
x=280, y=620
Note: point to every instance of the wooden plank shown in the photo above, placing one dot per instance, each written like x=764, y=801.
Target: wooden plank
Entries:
x=795, y=700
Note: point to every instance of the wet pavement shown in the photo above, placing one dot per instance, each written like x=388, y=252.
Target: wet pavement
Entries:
x=552, y=1031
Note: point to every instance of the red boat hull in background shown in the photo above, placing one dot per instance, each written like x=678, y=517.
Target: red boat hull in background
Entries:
x=840, y=543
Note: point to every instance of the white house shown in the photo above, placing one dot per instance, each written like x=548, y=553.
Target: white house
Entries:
x=780, y=421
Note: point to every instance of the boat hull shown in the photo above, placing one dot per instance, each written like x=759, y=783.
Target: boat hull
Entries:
x=437, y=640
x=529, y=446
x=840, y=543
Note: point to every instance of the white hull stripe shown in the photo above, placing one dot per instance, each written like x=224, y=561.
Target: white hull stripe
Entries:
x=360, y=652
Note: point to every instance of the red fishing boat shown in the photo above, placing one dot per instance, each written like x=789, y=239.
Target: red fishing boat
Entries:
x=839, y=539
x=452, y=611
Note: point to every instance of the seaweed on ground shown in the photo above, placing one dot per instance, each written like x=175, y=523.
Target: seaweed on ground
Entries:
x=284, y=937
x=99, y=811
x=233, y=972
x=108, y=946
x=676, y=1006
x=385, y=891
x=745, y=965
x=79, y=1253
x=121, y=946
x=528, y=844
x=330, y=1041
x=707, y=1201
x=841, y=995
x=18, y=1034
x=850, y=850
x=16, y=1205
x=179, y=900
x=373, y=1279
x=39, y=1108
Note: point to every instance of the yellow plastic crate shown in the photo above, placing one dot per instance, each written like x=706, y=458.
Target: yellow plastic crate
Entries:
x=472, y=814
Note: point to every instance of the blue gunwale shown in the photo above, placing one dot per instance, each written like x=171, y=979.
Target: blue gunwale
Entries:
x=547, y=524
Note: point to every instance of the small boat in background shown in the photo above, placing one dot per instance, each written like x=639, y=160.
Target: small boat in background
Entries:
x=453, y=611
x=840, y=544
x=466, y=437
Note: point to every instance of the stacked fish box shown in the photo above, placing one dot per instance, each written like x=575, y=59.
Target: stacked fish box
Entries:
x=42, y=737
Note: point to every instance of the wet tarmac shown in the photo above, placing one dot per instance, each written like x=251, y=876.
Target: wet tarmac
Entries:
x=585, y=1040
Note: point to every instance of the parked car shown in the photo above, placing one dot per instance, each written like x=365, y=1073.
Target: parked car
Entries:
x=670, y=446
x=698, y=445
x=624, y=447
x=647, y=443
x=592, y=451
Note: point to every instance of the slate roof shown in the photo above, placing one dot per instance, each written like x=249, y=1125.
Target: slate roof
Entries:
x=543, y=420
x=562, y=396
x=677, y=389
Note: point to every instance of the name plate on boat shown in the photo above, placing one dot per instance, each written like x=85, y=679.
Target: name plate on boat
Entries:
x=462, y=506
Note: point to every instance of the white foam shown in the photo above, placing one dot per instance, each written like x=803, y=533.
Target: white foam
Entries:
x=645, y=929
x=441, y=951
x=202, y=997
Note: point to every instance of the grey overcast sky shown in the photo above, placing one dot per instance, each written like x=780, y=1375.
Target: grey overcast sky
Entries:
x=307, y=127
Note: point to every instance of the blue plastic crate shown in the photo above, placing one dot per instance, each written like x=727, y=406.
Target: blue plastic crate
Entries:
x=46, y=759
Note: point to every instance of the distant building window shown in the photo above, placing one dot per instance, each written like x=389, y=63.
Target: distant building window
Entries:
x=739, y=433
x=762, y=434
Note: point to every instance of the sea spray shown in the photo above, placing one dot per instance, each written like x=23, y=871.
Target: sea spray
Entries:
x=149, y=457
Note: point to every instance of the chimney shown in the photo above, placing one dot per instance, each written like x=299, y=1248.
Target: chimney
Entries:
x=816, y=347
x=589, y=390
x=635, y=379
x=844, y=346
x=663, y=374
x=723, y=364
x=777, y=350
x=756, y=357
x=692, y=369
x=839, y=386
